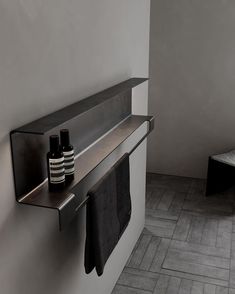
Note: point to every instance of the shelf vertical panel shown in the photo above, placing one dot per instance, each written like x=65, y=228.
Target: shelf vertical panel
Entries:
x=29, y=149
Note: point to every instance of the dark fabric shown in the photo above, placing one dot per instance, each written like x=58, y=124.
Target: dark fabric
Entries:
x=108, y=214
x=220, y=176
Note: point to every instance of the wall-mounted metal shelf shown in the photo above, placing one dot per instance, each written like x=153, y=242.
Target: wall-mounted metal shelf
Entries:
x=62, y=116
x=98, y=127
x=69, y=201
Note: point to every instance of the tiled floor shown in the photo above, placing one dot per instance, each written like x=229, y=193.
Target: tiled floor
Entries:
x=188, y=244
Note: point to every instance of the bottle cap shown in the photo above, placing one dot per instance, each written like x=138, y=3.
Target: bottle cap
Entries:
x=64, y=137
x=54, y=143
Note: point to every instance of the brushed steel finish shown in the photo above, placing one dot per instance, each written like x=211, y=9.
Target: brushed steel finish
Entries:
x=55, y=119
x=85, y=165
x=88, y=121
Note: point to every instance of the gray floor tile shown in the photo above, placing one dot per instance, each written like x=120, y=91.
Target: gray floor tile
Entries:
x=196, y=229
x=209, y=235
x=158, y=226
x=208, y=206
x=160, y=231
x=224, y=236
x=161, y=214
x=166, y=200
x=209, y=289
x=160, y=255
x=232, y=273
x=162, y=284
x=119, y=289
x=178, y=201
x=197, y=288
x=134, y=249
x=203, y=279
x=176, y=264
x=233, y=247
x=140, y=251
x=185, y=286
x=154, y=197
x=156, y=222
x=197, y=186
x=150, y=253
x=197, y=258
x=221, y=290
x=183, y=226
x=199, y=248
x=137, y=281
x=173, y=285
x=188, y=244
x=143, y=273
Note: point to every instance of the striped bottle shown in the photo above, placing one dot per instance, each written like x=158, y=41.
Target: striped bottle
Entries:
x=55, y=166
x=68, y=153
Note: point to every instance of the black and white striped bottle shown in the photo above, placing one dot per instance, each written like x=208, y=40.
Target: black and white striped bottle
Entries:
x=55, y=166
x=68, y=152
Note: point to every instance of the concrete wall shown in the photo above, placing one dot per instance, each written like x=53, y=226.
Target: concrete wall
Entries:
x=192, y=88
x=53, y=53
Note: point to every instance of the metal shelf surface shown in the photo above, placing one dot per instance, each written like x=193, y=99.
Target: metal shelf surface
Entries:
x=68, y=201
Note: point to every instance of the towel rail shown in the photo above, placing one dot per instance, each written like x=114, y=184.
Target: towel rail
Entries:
x=151, y=127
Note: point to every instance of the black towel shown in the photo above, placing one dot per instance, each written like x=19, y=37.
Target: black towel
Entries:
x=108, y=214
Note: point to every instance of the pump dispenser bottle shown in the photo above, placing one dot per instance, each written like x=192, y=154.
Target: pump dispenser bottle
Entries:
x=68, y=153
x=55, y=166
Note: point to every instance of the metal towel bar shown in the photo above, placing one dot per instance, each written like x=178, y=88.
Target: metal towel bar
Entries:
x=130, y=152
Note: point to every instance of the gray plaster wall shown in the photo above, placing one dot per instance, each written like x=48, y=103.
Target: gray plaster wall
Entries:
x=192, y=86
x=53, y=53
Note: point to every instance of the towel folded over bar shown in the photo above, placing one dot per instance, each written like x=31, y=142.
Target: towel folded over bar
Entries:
x=108, y=214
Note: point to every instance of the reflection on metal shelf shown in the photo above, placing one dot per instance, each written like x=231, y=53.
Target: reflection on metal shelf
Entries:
x=99, y=130
x=72, y=197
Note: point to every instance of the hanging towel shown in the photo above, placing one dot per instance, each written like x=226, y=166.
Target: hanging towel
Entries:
x=108, y=214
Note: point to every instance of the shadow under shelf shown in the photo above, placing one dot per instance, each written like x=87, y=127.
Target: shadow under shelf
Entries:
x=71, y=199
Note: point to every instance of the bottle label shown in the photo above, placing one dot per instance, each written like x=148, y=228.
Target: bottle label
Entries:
x=56, y=169
x=69, y=162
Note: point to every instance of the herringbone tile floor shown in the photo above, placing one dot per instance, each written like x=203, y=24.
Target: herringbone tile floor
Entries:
x=188, y=244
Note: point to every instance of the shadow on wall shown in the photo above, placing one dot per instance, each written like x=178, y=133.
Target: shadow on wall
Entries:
x=34, y=255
